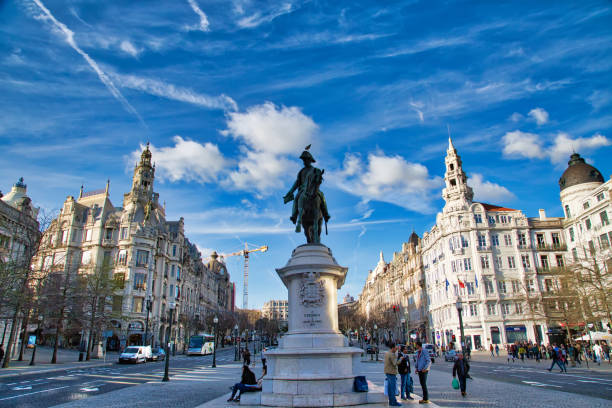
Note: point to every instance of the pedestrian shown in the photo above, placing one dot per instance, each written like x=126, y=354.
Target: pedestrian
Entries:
x=497, y=349
x=521, y=352
x=510, y=353
x=557, y=359
x=423, y=363
x=577, y=354
x=491, y=349
x=597, y=351
x=403, y=367
x=263, y=357
x=247, y=356
x=391, y=363
x=1, y=353
x=461, y=369
x=248, y=378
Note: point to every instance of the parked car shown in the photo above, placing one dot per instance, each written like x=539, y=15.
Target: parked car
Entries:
x=431, y=350
x=158, y=354
x=371, y=349
x=135, y=354
x=450, y=355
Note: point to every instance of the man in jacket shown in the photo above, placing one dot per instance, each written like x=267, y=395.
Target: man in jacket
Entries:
x=461, y=369
x=391, y=361
x=423, y=363
x=403, y=368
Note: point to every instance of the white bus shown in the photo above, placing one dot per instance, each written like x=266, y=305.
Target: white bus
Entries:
x=201, y=344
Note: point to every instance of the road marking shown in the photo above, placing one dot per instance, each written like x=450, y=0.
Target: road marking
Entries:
x=89, y=389
x=588, y=381
x=22, y=387
x=30, y=393
x=539, y=384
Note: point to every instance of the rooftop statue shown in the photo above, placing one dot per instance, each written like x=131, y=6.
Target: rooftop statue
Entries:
x=309, y=207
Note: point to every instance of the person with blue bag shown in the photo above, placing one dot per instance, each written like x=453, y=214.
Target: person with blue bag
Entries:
x=403, y=367
x=461, y=370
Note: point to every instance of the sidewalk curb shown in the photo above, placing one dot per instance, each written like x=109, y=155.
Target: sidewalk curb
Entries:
x=54, y=369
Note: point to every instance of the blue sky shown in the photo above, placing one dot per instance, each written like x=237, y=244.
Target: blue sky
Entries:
x=230, y=92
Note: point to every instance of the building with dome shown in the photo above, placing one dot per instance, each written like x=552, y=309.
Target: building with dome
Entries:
x=158, y=266
x=585, y=198
x=18, y=224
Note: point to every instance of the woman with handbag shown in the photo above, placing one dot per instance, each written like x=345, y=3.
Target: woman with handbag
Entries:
x=403, y=367
x=461, y=370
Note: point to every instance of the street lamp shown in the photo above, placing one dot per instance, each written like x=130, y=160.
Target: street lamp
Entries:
x=40, y=319
x=403, y=322
x=146, y=336
x=236, y=343
x=215, y=321
x=376, y=331
x=459, y=311
x=171, y=312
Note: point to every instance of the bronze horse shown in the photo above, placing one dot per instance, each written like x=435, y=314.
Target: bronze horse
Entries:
x=310, y=216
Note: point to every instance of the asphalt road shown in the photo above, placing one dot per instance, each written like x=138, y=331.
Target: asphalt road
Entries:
x=49, y=389
x=576, y=381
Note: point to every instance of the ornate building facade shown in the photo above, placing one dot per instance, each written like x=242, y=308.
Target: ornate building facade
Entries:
x=161, y=271
x=502, y=269
x=398, y=289
x=276, y=310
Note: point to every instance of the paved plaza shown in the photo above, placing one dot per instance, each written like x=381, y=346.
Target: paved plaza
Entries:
x=194, y=383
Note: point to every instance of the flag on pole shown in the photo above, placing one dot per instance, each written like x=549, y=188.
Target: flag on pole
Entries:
x=447, y=284
x=461, y=284
x=476, y=279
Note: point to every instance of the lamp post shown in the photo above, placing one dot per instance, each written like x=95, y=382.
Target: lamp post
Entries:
x=376, y=331
x=171, y=312
x=236, y=343
x=403, y=321
x=215, y=321
x=459, y=311
x=40, y=319
x=146, y=335
x=81, y=347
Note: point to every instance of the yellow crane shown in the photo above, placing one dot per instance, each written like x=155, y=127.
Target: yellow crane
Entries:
x=245, y=253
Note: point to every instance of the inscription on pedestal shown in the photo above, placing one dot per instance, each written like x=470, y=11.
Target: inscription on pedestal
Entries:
x=312, y=319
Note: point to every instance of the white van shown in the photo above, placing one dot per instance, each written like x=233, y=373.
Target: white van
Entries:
x=135, y=354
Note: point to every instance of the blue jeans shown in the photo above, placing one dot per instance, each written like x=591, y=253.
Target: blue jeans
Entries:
x=405, y=391
x=391, y=388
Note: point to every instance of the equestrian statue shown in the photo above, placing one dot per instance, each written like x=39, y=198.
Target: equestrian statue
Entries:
x=309, y=207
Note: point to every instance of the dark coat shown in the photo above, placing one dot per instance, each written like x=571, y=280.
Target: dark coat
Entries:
x=404, y=365
x=461, y=368
x=248, y=377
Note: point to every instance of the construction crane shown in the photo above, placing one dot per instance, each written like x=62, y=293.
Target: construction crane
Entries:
x=245, y=252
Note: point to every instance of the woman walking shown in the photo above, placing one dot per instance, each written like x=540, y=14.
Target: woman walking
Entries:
x=461, y=370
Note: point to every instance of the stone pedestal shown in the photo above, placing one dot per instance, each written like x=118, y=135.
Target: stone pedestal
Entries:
x=312, y=367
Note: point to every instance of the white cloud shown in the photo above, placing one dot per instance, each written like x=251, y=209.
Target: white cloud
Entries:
x=564, y=146
x=524, y=144
x=129, y=48
x=487, y=191
x=260, y=17
x=598, y=99
x=539, y=115
x=516, y=117
x=269, y=133
x=204, y=24
x=169, y=91
x=187, y=160
x=272, y=129
x=530, y=145
x=69, y=38
x=260, y=171
x=389, y=179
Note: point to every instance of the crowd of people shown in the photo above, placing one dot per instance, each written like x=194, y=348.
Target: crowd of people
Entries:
x=569, y=353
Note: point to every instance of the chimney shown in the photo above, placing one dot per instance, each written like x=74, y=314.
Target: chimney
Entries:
x=542, y=214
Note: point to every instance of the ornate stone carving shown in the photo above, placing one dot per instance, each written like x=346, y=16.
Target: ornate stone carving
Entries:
x=312, y=290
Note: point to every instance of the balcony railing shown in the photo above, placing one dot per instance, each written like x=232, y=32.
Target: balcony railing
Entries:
x=553, y=247
x=484, y=248
x=523, y=246
x=458, y=251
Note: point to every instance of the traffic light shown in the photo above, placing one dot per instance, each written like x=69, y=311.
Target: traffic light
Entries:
x=454, y=339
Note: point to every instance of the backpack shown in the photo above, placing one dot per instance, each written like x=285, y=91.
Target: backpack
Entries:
x=360, y=384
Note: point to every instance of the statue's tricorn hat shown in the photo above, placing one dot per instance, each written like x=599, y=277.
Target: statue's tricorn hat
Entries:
x=307, y=156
